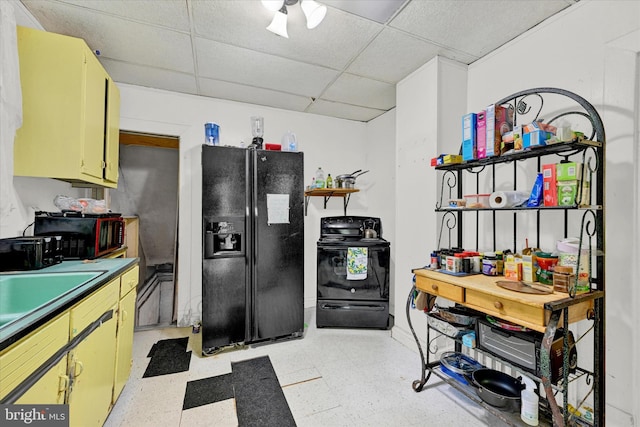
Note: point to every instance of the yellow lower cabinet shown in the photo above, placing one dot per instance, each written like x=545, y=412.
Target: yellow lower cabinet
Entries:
x=21, y=359
x=124, y=342
x=91, y=371
x=50, y=389
x=92, y=362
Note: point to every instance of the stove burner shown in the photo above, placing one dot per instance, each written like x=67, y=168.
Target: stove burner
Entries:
x=333, y=239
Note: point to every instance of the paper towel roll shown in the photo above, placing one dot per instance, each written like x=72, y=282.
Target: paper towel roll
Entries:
x=507, y=199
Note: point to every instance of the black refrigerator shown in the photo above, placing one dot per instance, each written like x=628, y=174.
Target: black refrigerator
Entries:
x=253, y=246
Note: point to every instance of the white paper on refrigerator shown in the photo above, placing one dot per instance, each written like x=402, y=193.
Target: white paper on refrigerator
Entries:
x=277, y=209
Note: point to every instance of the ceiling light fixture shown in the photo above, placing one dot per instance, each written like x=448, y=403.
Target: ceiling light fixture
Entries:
x=313, y=11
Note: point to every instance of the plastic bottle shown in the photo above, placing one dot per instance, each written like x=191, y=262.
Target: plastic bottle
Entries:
x=529, y=398
x=293, y=142
x=320, y=178
x=329, y=181
x=313, y=183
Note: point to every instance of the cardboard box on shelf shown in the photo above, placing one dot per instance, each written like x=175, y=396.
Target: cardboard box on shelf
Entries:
x=481, y=135
x=535, y=138
x=498, y=122
x=529, y=267
x=469, y=138
x=568, y=171
x=550, y=185
x=452, y=158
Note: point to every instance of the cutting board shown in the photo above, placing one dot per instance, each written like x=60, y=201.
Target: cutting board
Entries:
x=524, y=287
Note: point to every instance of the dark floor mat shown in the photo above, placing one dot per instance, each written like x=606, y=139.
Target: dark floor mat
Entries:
x=174, y=344
x=259, y=397
x=208, y=390
x=168, y=357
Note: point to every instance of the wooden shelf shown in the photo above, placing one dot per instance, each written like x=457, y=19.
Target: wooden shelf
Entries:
x=327, y=193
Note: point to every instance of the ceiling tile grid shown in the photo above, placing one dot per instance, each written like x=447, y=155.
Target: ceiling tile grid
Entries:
x=347, y=67
x=118, y=38
x=356, y=90
x=167, y=13
x=472, y=26
x=140, y=75
x=252, y=95
x=223, y=62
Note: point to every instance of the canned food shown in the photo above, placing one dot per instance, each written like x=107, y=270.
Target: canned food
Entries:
x=490, y=265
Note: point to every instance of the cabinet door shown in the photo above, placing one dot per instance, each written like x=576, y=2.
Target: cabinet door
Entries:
x=92, y=362
x=21, y=359
x=94, y=111
x=50, y=389
x=112, y=138
x=68, y=120
x=124, y=342
x=51, y=77
x=91, y=370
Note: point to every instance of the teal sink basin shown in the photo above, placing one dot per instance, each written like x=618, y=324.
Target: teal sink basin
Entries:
x=20, y=294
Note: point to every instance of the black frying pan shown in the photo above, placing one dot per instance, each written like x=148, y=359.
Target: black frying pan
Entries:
x=498, y=389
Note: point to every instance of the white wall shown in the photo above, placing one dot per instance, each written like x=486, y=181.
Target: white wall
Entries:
x=429, y=103
x=380, y=155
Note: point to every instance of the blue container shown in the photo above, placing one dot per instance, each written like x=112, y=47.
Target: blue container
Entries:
x=211, y=134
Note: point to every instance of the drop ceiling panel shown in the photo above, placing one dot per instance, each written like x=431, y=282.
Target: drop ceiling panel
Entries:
x=361, y=91
x=475, y=27
x=334, y=43
x=394, y=54
x=379, y=11
x=167, y=13
x=252, y=95
x=117, y=38
x=343, y=111
x=237, y=65
x=125, y=72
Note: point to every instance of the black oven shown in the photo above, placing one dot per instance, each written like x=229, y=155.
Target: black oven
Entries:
x=346, y=297
x=84, y=236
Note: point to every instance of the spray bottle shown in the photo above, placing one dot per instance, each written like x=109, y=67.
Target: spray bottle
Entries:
x=529, y=397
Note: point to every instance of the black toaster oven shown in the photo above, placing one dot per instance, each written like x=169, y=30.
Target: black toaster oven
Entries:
x=522, y=349
x=84, y=236
x=30, y=252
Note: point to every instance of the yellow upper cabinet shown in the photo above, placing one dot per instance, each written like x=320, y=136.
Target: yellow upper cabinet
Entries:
x=71, y=112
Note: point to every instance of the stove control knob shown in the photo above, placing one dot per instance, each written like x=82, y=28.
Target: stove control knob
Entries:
x=353, y=290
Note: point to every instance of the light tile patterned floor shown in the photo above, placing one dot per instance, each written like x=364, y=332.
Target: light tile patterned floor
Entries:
x=331, y=377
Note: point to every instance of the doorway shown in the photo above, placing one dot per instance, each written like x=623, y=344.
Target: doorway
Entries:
x=148, y=190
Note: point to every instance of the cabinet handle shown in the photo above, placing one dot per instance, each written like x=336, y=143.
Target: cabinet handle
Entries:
x=498, y=305
x=63, y=382
x=77, y=371
x=434, y=287
x=124, y=315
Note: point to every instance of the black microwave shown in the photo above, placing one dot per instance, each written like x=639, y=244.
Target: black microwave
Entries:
x=84, y=236
x=30, y=253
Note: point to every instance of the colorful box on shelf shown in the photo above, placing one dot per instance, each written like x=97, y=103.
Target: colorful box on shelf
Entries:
x=568, y=171
x=451, y=159
x=481, y=135
x=469, y=138
x=536, y=138
x=550, y=185
x=498, y=122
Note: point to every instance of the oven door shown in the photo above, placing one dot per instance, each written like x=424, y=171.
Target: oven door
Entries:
x=332, y=274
